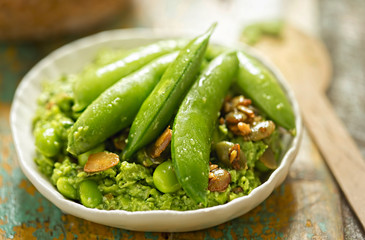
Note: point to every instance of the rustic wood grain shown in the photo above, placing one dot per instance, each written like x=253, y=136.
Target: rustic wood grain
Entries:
x=342, y=30
x=335, y=143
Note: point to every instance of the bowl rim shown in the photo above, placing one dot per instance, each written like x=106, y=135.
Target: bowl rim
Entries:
x=145, y=33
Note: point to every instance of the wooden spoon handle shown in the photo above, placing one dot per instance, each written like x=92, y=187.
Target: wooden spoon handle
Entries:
x=336, y=145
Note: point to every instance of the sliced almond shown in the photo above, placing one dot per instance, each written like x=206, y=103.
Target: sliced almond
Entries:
x=161, y=143
x=100, y=161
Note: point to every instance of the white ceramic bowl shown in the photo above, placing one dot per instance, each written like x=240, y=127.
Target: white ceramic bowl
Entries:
x=70, y=59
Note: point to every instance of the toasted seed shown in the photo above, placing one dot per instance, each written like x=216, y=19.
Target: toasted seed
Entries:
x=235, y=117
x=268, y=159
x=212, y=166
x=232, y=156
x=101, y=161
x=220, y=180
x=244, y=128
x=249, y=112
x=247, y=102
x=235, y=157
x=234, y=129
x=236, y=101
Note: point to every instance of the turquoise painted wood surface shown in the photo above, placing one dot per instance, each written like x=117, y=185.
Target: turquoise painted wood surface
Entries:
x=306, y=206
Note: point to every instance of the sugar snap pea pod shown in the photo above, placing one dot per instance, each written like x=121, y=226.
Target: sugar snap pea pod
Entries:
x=194, y=125
x=93, y=82
x=259, y=84
x=116, y=107
x=159, y=107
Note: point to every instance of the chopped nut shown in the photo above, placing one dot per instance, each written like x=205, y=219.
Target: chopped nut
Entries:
x=234, y=156
x=100, y=161
x=220, y=180
x=244, y=128
x=212, y=166
x=234, y=129
x=247, y=102
x=249, y=112
x=221, y=121
x=235, y=117
x=224, y=152
x=211, y=175
x=227, y=106
x=161, y=143
x=239, y=100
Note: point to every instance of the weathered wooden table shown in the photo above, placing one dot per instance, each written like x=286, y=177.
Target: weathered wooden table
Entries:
x=308, y=205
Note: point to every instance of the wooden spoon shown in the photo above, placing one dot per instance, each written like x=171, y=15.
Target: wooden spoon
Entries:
x=300, y=58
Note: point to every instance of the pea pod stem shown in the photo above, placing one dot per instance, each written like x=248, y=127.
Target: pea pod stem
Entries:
x=260, y=85
x=158, y=109
x=115, y=108
x=194, y=123
x=93, y=82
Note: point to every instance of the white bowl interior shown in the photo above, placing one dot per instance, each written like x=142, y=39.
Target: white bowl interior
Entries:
x=70, y=59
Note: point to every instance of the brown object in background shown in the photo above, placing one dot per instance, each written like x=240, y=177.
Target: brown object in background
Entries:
x=40, y=19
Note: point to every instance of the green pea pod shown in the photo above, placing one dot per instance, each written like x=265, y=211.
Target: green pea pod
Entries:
x=116, y=107
x=259, y=84
x=95, y=81
x=158, y=109
x=194, y=124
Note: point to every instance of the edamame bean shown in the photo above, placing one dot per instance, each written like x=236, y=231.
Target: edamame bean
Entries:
x=164, y=178
x=66, y=189
x=159, y=107
x=194, y=124
x=47, y=140
x=95, y=81
x=90, y=195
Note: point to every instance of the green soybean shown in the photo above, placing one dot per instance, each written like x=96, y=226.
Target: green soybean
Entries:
x=164, y=178
x=116, y=108
x=66, y=189
x=47, y=140
x=158, y=109
x=259, y=84
x=90, y=195
x=93, y=82
x=194, y=124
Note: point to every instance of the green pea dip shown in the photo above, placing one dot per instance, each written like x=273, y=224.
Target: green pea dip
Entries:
x=128, y=185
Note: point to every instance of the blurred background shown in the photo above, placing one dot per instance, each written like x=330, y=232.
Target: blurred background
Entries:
x=29, y=30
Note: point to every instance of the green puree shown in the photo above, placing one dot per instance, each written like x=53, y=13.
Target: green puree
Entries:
x=126, y=186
